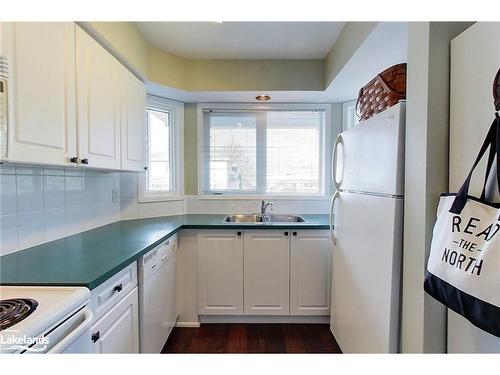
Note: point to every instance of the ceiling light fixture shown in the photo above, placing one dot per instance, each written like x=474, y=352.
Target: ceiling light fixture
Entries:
x=263, y=98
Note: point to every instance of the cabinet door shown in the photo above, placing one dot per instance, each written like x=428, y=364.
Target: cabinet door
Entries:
x=42, y=108
x=310, y=278
x=220, y=272
x=118, y=330
x=133, y=122
x=267, y=264
x=98, y=103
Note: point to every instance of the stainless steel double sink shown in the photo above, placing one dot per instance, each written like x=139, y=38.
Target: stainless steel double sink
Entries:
x=266, y=218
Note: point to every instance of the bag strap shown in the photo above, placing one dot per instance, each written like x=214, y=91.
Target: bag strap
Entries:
x=496, y=91
x=492, y=140
x=491, y=158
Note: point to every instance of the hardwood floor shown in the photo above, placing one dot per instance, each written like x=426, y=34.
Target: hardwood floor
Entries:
x=252, y=338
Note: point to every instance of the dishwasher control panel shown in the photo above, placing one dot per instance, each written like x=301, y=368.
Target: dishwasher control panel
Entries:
x=154, y=259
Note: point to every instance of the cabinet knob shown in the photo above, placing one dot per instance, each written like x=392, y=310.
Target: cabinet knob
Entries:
x=238, y=233
x=96, y=336
x=118, y=288
x=286, y=233
x=74, y=159
x=294, y=233
x=146, y=168
x=85, y=161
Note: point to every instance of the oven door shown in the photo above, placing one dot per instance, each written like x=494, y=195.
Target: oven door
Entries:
x=70, y=336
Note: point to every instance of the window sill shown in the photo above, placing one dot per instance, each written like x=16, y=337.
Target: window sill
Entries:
x=160, y=198
x=265, y=197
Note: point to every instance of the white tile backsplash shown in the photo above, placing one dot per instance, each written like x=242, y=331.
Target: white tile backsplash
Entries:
x=73, y=190
x=53, y=191
x=8, y=234
x=40, y=204
x=8, y=196
x=194, y=205
x=29, y=192
x=30, y=228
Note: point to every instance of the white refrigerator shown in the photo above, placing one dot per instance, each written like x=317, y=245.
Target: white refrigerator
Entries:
x=366, y=224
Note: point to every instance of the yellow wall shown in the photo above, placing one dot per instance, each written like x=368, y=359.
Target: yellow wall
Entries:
x=126, y=40
x=167, y=69
x=352, y=36
x=254, y=75
x=171, y=70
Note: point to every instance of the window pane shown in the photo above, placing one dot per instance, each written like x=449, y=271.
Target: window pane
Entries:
x=231, y=152
x=293, y=152
x=158, y=175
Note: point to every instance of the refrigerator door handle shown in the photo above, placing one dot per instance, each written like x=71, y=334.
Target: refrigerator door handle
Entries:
x=332, y=206
x=338, y=140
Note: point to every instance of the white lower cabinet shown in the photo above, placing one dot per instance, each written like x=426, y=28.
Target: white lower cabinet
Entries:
x=118, y=330
x=220, y=272
x=310, y=272
x=266, y=270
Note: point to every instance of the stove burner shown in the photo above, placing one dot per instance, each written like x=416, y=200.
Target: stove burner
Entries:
x=12, y=311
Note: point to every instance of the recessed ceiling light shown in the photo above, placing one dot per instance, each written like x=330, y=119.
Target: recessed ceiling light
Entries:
x=262, y=98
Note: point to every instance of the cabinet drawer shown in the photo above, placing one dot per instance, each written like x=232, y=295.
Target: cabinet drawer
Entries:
x=118, y=330
x=106, y=295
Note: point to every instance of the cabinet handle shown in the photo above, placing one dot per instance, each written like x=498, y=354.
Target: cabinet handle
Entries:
x=96, y=336
x=74, y=159
x=146, y=168
x=118, y=288
x=85, y=161
x=294, y=233
x=239, y=233
x=286, y=233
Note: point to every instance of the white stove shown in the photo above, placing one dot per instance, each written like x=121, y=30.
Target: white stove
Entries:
x=39, y=319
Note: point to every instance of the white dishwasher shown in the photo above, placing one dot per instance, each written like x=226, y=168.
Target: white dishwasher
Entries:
x=157, y=309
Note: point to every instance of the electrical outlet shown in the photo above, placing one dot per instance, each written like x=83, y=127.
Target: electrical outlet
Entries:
x=114, y=195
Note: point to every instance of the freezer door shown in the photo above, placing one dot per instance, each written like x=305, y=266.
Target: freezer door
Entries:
x=366, y=273
x=370, y=156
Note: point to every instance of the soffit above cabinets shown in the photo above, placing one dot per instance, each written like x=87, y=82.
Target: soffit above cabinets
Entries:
x=243, y=40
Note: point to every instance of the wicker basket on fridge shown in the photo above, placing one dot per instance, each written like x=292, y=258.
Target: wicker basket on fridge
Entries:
x=385, y=90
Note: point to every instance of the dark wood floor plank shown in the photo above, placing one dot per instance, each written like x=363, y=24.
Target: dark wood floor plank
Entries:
x=252, y=338
x=238, y=339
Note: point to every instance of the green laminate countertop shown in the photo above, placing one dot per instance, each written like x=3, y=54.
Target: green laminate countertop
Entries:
x=90, y=258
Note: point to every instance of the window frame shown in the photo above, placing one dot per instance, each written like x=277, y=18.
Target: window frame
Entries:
x=176, y=111
x=325, y=149
x=349, y=115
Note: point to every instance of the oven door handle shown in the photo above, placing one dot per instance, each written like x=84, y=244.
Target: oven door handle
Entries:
x=70, y=338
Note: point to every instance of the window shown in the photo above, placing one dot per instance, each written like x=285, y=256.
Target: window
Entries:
x=349, y=116
x=279, y=150
x=163, y=178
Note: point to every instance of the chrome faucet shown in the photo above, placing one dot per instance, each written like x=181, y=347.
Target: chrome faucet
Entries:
x=264, y=205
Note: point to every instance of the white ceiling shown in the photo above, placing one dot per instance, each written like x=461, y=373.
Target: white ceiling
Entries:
x=243, y=40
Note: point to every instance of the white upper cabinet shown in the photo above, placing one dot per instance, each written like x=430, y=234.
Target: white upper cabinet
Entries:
x=41, y=89
x=220, y=272
x=133, y=122
x=310, y=275
x=266, y=259
x=98, y=101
